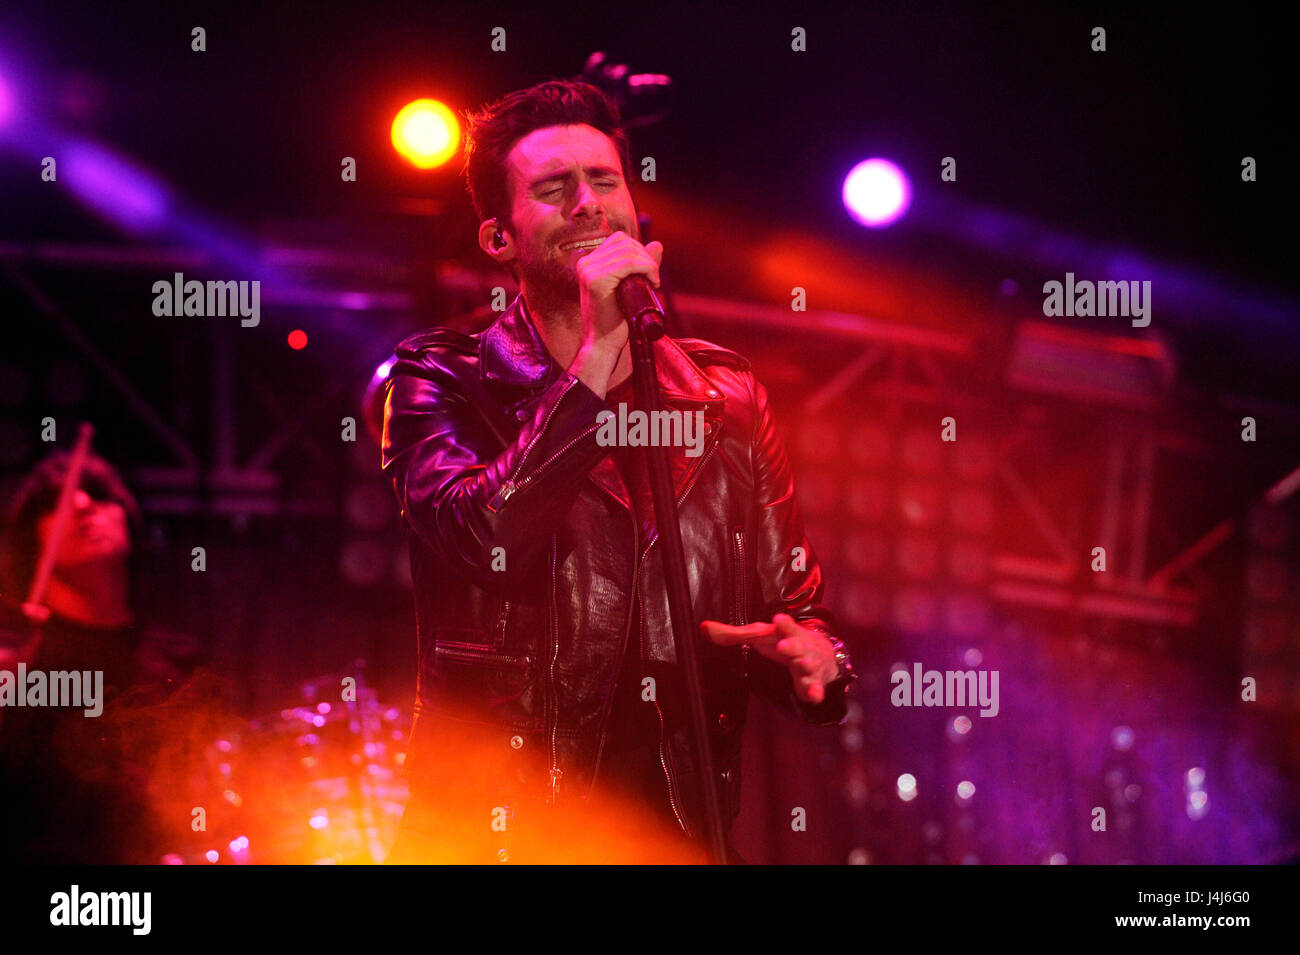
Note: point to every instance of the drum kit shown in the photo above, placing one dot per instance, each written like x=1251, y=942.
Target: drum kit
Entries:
x=317, y=782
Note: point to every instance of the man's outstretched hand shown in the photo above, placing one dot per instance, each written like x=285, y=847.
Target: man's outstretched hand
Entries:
x=807, y=654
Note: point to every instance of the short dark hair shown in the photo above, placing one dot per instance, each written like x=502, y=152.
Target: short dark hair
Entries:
x=492, y=132
x=38, y=495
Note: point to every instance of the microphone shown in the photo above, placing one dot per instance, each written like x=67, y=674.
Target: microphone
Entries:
x=641, y=306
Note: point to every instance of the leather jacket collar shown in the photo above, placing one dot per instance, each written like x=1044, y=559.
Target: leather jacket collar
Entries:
x=512, y=355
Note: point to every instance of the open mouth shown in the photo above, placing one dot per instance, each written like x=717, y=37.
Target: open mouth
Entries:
x=583, y=244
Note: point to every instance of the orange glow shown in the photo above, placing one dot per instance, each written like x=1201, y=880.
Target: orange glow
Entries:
x=476, y=797
x=284, y=791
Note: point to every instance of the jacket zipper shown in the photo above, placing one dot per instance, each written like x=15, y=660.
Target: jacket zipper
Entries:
x=741, y=602
x=512, y=485
x=663, y=752
x=555, y=697
x=468, y=653
x=622, y=649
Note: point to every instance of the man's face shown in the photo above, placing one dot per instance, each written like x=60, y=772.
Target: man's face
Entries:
x=566, y=183
x=96, y=531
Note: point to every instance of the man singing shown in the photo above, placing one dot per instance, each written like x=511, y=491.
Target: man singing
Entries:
x=548, y=682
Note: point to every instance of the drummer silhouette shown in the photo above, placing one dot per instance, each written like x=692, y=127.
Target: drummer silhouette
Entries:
x=74, y=787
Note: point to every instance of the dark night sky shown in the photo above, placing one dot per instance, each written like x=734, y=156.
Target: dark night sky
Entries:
x=1141, y=144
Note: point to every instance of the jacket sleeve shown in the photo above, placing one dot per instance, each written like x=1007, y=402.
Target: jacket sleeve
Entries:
x=461, y=492
x=790, y=580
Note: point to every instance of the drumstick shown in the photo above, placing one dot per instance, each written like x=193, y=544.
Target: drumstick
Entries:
x=34, y=606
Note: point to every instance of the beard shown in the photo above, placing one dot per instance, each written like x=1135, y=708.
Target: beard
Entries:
x=551, y=276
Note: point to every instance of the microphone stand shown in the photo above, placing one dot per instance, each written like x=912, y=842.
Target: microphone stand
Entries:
x=645, y=317
x=646, y=325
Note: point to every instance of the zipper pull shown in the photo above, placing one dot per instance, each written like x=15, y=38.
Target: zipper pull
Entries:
x=499, y=639
x=555, y=783
x=502, y=496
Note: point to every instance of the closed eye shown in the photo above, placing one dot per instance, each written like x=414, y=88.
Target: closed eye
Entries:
x=556, y=190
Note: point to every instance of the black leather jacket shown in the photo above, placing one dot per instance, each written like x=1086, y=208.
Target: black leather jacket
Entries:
x=526, y=557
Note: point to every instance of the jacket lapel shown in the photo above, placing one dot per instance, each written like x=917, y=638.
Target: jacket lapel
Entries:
x=512, y=356
x=516, y=365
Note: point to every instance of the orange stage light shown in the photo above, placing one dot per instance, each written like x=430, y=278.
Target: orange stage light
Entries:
x=426, y=133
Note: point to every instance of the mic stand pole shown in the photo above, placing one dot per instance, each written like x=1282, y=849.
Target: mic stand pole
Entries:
x=646, y=326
